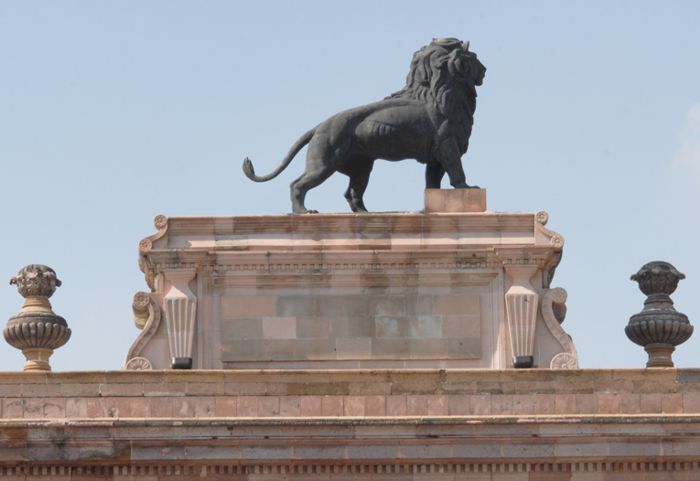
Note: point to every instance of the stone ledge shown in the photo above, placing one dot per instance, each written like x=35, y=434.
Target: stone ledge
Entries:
x=466, y=422
x=298, y=394
x=404, y=381
x=684, y=375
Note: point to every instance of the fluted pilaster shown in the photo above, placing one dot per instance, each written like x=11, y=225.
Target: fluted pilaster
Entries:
x=180, y=308
x=521, y=310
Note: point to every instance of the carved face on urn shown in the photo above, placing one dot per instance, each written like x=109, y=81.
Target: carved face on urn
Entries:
x=36, y=280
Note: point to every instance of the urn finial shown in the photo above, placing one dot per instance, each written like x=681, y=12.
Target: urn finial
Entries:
x=659, y=328
x=36, y=329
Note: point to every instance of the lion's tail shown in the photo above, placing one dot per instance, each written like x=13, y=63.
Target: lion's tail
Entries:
x=249, y=171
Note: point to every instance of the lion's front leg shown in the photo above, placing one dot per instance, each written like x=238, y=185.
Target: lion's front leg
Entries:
x=450, y=159
x=433, y=175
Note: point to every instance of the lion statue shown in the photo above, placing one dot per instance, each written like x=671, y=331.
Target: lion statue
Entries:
x=429, y=120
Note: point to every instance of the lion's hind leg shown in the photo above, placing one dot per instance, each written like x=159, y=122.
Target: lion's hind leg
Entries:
x=359, y=169
x=314, y=175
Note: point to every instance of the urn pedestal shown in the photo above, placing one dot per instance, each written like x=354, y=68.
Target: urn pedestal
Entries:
x=659, y=328
x=36, y=329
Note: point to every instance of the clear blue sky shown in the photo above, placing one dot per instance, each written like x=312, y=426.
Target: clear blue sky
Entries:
x=112, y=112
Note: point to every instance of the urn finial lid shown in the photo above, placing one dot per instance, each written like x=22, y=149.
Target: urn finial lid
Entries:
x=658, y=277
x=36, y=280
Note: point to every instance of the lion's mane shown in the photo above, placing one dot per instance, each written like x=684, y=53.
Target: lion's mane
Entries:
x=430, y=80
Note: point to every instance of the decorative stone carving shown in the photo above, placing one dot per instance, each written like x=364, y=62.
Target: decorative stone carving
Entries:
x=659, y=327
x=180, y=306
x=145, y=245
x=36, y=329
x=147, y=317
x=564, y=360
x=553, y=309
x=521, y=309
x=138, y=364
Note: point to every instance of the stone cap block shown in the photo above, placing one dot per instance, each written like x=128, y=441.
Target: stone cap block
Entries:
x=455, y=200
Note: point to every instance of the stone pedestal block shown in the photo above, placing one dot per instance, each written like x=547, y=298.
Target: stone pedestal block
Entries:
x=455, y=200
x=348, y=291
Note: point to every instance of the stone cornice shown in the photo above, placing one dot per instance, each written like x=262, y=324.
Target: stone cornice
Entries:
x=419, y=446
x=684, y=375
x=343, y=224
x=350, y=242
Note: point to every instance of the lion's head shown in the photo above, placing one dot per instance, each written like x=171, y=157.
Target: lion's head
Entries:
x=444, y=72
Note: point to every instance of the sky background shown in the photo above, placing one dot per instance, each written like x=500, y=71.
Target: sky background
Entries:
x=113, y=112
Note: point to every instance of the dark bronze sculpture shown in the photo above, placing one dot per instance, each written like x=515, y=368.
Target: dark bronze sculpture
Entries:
x=429, y=120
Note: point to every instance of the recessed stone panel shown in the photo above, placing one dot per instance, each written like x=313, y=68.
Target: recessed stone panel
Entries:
x=355, y=326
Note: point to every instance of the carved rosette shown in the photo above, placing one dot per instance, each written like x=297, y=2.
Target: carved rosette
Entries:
x=659, y=327
x=138, y=364
x=139, y=306
x=521, y=310
x=36, y=329
x=564, y=360
x=180, y=308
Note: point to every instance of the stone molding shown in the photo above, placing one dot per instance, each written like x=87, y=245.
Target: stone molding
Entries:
x=417, y=447
x=622, y=470
x=539, y=384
